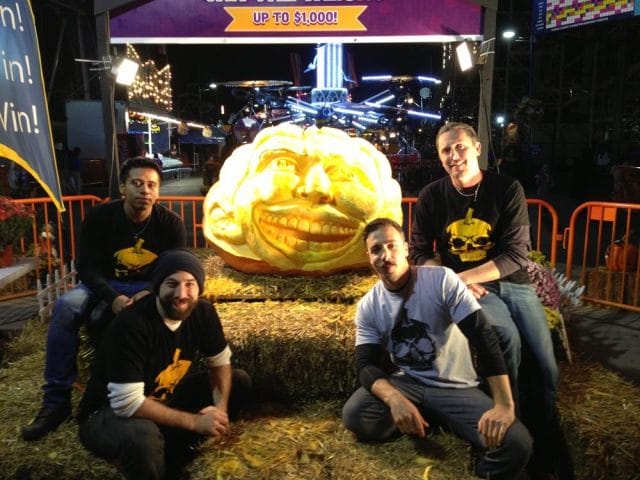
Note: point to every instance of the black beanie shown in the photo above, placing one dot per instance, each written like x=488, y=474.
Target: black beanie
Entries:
x=171, y=261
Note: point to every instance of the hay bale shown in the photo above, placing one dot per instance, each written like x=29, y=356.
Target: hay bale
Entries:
x=310, y=442
x=58, y=455
x=603, y=284
x=303, y=350
x=600, y=415
x=299, y=350
x=225, y=284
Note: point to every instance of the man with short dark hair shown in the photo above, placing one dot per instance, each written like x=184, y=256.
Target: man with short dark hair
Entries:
x=118, y=246
x=476, y=222
x=426, y=319
x=143, y=407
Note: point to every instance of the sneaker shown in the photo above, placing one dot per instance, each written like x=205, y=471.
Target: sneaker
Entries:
x=47, y=420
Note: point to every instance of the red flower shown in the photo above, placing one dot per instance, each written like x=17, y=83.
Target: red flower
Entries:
x=15, y=221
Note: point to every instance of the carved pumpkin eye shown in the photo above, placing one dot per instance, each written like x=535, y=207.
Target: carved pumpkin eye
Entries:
x=340, y=174
x=283, y=164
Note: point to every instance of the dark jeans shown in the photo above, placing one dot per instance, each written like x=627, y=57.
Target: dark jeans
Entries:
x=143, y=450
x=519, y=318
x=69, y=313
x=458, y=409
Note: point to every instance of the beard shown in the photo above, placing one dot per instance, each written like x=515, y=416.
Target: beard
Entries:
x=180, y=311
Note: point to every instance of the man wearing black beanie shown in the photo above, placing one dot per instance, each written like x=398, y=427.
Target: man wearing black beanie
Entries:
x=143, y=406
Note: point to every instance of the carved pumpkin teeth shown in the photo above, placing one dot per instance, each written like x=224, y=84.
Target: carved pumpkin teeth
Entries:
x=303, y=226
x=300, y=245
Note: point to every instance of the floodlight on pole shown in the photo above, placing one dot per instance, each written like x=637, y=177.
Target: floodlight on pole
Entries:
x=125, y=71
x=469, y=54
x=122, y=68
x=465, y=56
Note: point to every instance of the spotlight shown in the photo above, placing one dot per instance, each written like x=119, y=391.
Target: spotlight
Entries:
x=465, y=53
x=124, y=69
x=508, y=34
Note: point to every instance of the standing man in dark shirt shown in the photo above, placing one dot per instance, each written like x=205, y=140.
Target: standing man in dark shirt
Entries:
x=143, y=407
x=479, y=223
x=118, y=246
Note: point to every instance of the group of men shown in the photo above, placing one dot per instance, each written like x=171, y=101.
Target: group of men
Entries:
x=458, y=337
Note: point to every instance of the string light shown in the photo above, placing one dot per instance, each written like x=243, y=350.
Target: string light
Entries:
x=151, y=86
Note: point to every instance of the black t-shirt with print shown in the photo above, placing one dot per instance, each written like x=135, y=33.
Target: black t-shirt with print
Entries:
x=111, y=247
x=469, y=231
x=139, y=347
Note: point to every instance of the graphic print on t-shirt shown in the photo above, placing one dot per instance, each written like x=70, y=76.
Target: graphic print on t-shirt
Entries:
x=133, y=260
x=469, y=238
x=412, y=345
x=170, y=377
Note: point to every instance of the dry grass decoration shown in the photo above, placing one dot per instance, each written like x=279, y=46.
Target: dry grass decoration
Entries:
x=300, y=352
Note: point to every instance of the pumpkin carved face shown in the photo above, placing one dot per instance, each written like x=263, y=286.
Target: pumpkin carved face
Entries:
x=296, y=201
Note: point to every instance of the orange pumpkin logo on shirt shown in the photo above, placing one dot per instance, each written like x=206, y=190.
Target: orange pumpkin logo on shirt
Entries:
x=170, y=377
x=133, y=259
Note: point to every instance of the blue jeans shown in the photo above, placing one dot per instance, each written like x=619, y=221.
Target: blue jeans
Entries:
x=518, y=316
x=69, y=313
x=458, y=409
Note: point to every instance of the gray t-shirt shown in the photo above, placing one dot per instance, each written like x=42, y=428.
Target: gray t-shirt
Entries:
x=426, y=344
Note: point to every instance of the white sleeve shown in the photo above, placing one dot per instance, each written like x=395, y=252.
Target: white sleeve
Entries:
x=223, y=358
x=125, y=398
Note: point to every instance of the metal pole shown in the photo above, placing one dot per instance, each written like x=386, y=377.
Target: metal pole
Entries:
x=486, y=86
x=54, y=67
x=107, y=91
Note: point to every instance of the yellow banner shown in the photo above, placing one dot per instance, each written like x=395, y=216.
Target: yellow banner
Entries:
x=295, y=19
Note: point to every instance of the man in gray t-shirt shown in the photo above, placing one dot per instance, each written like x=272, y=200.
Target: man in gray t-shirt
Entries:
x=426, y=319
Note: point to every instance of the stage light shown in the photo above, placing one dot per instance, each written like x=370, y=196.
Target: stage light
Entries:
x=465, y=55
x=508, y=33
x=381, y=101
x=376, y=77
x=429, y=79
x=125, y=71
x=298, y=106
x=416, y=113
x=348, y=111
x=369, y=120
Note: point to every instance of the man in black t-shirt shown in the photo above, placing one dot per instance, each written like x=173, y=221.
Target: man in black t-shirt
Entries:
x=118, y=246
x=476, y=223
x=143, y=407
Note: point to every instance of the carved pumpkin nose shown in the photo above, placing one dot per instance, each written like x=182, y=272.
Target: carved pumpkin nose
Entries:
x=317, y=185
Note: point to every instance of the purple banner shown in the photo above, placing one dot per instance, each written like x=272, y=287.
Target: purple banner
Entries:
x=300, y=21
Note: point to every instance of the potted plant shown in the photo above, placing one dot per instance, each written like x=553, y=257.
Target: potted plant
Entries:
x=15, y=221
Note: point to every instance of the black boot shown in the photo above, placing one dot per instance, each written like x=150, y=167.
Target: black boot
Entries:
x=47, y=420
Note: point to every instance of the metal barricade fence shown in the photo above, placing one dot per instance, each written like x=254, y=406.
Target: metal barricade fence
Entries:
x=602, y=242
x=54, y=236
x=52, y=241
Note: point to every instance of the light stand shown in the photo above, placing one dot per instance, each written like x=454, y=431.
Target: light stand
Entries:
x=122, y=71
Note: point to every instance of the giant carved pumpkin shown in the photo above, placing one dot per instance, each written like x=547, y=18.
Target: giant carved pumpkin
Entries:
x=295, y=201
